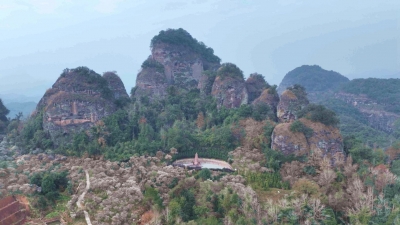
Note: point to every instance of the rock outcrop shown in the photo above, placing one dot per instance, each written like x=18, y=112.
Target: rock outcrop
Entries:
x=176, y=59
x=289, y=105
x=78, y=99
x=269, y=97
x=116, y=85
x=229, y=88
x=255, y=85
x=229, y=92
x=325, y=138
x=151, y=80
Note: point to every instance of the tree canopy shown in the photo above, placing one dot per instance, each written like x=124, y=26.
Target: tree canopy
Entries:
x=183, y=38
x=230, y=70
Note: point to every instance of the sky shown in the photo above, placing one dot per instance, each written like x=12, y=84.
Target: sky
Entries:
x=40, y=38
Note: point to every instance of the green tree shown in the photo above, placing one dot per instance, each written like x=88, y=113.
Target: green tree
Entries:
x=319, y=113
x=204, y=174
x=48, y=184
x=298, y=126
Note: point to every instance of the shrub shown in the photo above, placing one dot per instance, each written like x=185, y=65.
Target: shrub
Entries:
x=319, y=113
x=229, y=70
x=150, y=63
x=298, y=126
x=204, y=174
x=304, y=186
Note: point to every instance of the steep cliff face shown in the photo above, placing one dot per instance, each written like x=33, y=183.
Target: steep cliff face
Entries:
x=269, y=97
x=183, y=66
x=151, y=80
x=176, y=59
x=325, y=138
x=78, y=99
x=115, y=85
x=289, y=105
x=229, y=88
x=255, y=85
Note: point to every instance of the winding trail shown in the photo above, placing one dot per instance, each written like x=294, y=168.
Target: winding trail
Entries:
x=82, y=196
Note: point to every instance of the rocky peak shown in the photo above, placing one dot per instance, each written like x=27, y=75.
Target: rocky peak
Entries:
x=115, y=85
x=78, y=99
x=269, y=97
x=176, y=59
x=229, y=88
x=255, y=85
x=291, y=101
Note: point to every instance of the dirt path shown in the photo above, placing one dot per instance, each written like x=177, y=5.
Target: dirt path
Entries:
x=82, y=196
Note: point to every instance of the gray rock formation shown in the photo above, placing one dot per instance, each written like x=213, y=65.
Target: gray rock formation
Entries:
x=289, y=105
x=255, y=85
x=327, y=139
x=181, y=64
x=77, y=100
x=115, y=85
x=229, y=88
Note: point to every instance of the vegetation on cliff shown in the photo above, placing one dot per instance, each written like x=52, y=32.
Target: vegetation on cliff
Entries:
x=230, y=70
x=83, y=78
x=151, y=63
x=188, y=122
x=255, y=85
x=182, y=38
x=319, y=113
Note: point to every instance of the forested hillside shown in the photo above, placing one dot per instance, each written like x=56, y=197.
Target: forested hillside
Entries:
x=292, y=161
x=367, y=108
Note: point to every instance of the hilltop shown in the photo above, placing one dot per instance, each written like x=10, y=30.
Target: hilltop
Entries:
x=313, y=78
x=367, y=107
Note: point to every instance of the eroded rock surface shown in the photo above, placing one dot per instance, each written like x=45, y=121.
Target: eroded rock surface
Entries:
x=174, y=63
x=229, y=92
x=116, y=85
x=78, y=99
x=269, y=97
x=255, y=85
x=325, y=138
x=289, y=105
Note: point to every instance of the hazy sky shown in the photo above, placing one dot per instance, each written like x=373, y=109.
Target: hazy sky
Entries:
x=39, y=38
